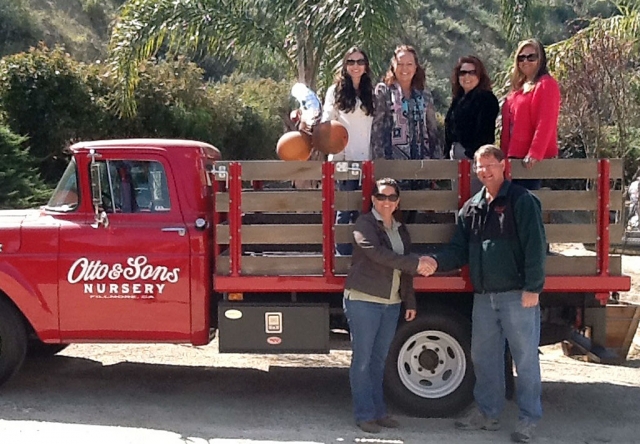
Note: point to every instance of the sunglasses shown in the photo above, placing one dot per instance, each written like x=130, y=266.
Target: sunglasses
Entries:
x=530, y=57
x=389, y=197
x=464, y=72
x=359, y=62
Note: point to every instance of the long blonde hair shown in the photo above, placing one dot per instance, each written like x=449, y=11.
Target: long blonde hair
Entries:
x=518, y=79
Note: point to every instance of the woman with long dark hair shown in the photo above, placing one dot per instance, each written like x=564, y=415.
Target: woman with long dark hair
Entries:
x=350, y=101
x=471, y=118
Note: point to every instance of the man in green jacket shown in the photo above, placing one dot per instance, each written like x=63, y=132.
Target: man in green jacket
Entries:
x=500, y=235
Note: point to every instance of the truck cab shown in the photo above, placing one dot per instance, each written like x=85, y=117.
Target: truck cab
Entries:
x=132, y=267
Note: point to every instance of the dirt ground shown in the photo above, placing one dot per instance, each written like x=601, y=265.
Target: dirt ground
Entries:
x=184, y=394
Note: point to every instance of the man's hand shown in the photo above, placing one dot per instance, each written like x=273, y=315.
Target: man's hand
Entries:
x=427, y=266
x=410, y=315
x=529, y=299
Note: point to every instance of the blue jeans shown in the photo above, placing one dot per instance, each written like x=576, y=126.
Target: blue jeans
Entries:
x=496, y=317
x=372, y=327
x=346, y=217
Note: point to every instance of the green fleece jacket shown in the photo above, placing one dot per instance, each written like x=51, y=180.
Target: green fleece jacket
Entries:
x=503, y=242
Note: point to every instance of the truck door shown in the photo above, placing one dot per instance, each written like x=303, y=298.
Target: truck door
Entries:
x=128, y=280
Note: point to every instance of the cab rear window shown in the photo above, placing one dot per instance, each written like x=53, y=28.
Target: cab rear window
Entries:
x=134, y=186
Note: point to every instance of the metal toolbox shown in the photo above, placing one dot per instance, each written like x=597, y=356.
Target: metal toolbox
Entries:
x=273, y=328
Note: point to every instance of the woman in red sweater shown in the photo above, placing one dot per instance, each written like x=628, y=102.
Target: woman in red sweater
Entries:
x=530, y=112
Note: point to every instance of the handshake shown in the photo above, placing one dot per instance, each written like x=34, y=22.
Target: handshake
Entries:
x=427, y=266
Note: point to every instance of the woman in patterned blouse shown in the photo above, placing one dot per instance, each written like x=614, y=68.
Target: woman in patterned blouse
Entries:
x=404, y=119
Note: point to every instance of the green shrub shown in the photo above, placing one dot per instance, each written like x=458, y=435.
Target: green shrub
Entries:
x=43, y=95
x=55, y=101
x=20, y=184
x=241, y=117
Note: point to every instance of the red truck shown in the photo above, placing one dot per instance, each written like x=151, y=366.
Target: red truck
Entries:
x=161, y=241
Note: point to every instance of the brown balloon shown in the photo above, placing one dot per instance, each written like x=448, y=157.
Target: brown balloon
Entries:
x=330, y=137
x=294, y=145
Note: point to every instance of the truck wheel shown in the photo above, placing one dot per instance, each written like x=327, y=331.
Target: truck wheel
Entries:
x=429, y=371
x=38, y=349
x=13, y=341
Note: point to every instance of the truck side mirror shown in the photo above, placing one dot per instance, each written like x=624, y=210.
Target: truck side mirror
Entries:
x=96, y=185
x=96, y=196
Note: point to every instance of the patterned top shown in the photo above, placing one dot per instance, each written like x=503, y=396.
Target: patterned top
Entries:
x=404, y=128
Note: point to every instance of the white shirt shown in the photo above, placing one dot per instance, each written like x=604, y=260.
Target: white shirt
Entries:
x=634, y=191
x=358, y=126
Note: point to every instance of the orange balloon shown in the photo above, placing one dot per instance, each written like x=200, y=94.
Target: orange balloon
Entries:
x=330, y=137
x=294, y=145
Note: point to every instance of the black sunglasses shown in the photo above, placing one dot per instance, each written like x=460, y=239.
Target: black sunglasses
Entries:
x=359, y=62
x=530, y=57
x=389, y=197
x=463, y=72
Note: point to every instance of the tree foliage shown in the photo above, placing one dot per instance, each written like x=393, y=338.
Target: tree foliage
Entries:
x=20, y=184
x=305, y=37
x=44, y=96
x=599, y=72
x=55, y=101
x=516, y=19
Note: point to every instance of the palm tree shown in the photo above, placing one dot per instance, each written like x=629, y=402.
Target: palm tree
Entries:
x=306, y=37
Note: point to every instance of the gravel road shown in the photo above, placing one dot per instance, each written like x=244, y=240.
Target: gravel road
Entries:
x=183, y=394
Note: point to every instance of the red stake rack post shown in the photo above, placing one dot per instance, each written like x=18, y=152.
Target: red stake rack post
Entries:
x=235, y=217
x=216, y=217
x=464, y=181
x=328, y=218
x=367, y=185
x=602, y=241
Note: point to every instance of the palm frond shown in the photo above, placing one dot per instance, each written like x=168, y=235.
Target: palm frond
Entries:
x=624, y=26
x=309, y=36
x=217, y=26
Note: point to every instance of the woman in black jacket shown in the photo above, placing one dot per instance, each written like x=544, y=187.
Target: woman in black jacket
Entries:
x=471, y=118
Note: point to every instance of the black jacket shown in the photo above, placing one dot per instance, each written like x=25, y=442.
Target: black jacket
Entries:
x=374, y=260
x=471, y=121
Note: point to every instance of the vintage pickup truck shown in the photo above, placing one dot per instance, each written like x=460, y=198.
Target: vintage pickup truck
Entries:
x=161, y=241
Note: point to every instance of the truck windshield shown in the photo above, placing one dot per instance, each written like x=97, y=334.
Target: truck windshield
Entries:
x=65, y=197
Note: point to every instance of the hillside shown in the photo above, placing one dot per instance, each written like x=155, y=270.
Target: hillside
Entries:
x=82, y=26
x=442, y=30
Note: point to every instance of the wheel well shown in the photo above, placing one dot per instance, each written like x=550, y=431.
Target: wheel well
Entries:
x=31, y=333
x=461, y=303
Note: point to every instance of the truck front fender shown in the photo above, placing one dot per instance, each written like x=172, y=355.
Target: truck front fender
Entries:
x=36, y=302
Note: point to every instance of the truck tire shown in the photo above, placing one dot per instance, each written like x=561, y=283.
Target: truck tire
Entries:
x=429, y=371
x=38, y=349
x=13, y=341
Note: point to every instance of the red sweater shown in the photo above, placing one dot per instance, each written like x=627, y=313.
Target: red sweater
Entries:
x=530, y=121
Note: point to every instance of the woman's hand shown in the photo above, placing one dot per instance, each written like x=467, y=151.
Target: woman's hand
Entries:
x=529, y=162
x=410, y=315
